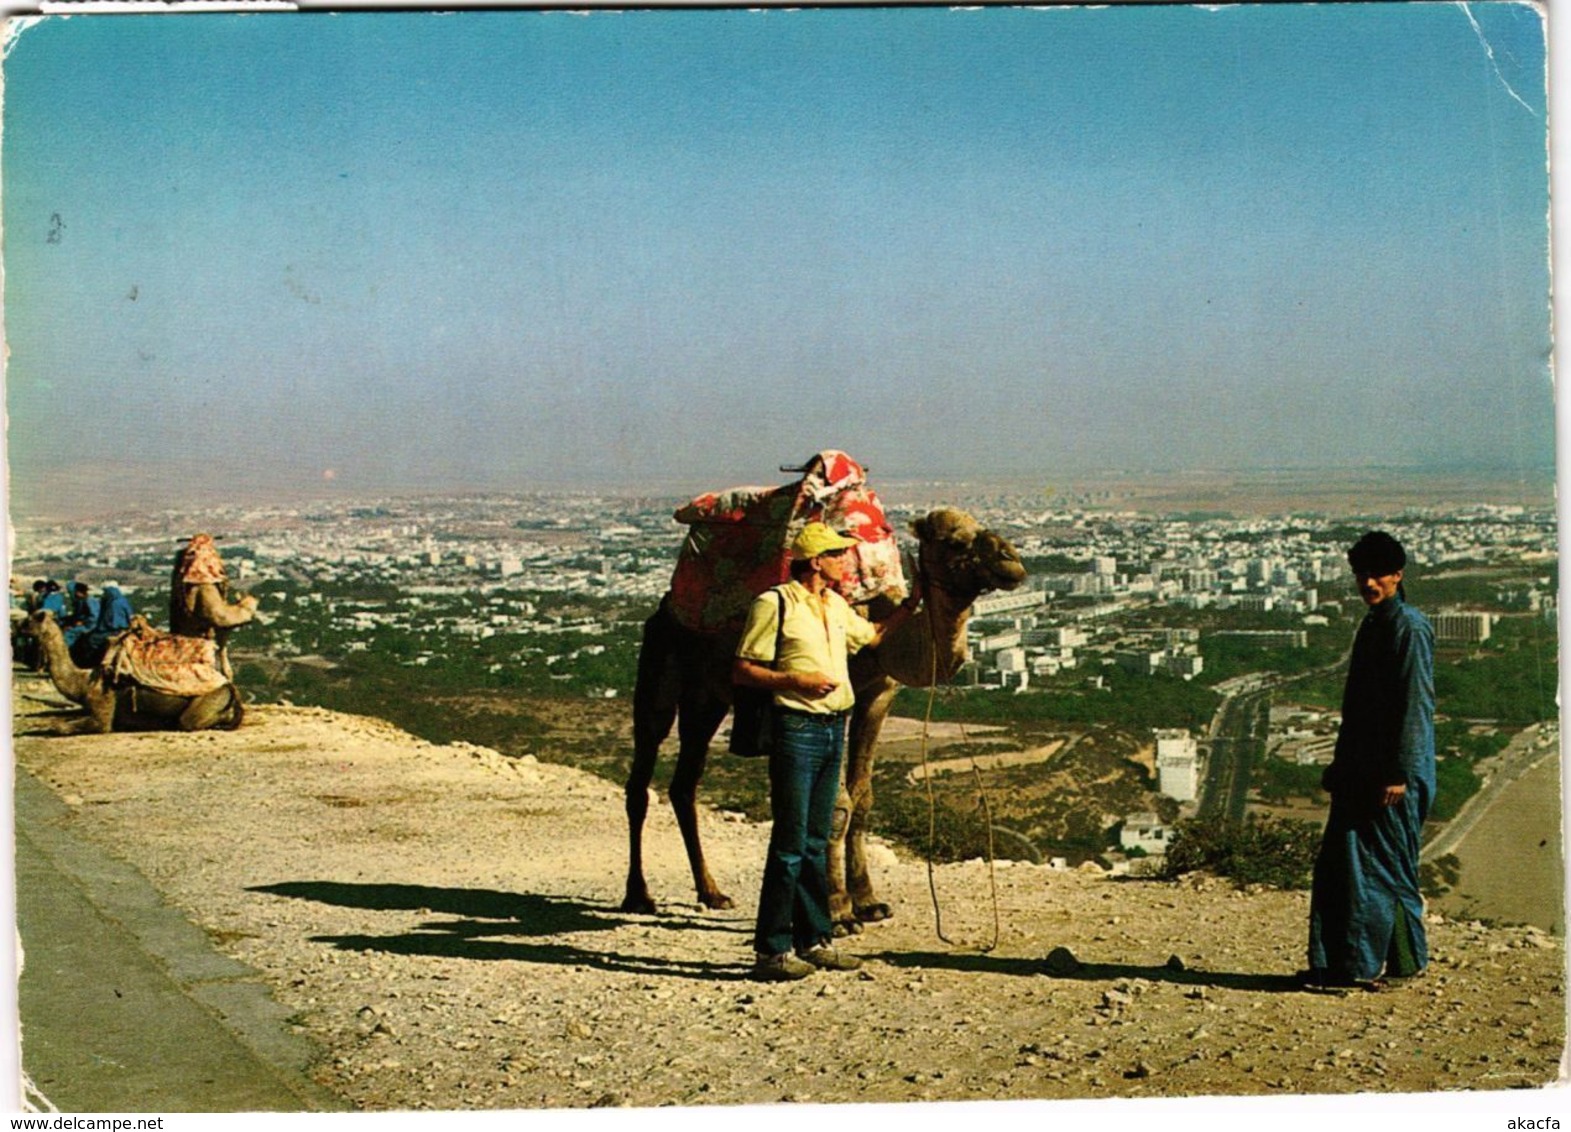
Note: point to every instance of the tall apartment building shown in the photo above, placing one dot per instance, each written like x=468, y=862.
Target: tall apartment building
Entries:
x=1065, y=636
x=1201, y=581
x=1255, y=603
x=1177, y=764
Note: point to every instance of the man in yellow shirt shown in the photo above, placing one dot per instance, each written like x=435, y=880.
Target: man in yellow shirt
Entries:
x=811, y=682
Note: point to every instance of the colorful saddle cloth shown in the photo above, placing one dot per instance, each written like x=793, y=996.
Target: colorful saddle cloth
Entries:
x=179, y=666
x=739, y=542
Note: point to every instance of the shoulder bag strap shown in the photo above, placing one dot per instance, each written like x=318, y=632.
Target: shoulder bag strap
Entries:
x=779, y=626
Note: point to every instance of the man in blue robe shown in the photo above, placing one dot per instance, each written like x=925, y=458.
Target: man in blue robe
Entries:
x=1366, y=914
x=83, y=616
x=114, y=617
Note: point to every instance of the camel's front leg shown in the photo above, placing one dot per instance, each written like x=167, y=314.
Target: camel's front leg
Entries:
x=654, y=714
x=206, y=711
x=840, y=911
x=651, y=724
x=101, y=703
x=852, y=900
x=697, y=723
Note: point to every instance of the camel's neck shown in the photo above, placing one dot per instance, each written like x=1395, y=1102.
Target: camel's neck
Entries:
x=69, y=680
x=931, y=646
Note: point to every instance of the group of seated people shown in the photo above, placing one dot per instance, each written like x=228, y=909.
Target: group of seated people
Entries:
x=200, y=605
x=87, y=621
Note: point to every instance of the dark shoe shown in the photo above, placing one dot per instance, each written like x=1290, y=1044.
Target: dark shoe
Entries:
x=828, y=958
x=782, y=968
x=1393, y=982
x=1317, y=978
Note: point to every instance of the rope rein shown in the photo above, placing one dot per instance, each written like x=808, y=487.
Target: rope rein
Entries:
x=927, y=779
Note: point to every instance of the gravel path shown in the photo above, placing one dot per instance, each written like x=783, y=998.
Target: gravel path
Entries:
x=443, y=922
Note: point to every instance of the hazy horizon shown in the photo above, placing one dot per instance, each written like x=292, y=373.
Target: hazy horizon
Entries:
x=1345, y=492
x=490, y=251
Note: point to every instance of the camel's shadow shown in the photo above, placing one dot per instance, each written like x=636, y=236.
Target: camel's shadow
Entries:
x=1091, y=972
x=490, y=921
x=57, y=725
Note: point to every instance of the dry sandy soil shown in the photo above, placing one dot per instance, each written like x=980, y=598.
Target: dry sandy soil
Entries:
x=443, y=922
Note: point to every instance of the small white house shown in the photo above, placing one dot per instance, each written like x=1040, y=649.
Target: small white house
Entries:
x=1145, y=832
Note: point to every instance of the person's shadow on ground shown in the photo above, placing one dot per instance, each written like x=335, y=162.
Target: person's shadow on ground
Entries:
x=1088, y=972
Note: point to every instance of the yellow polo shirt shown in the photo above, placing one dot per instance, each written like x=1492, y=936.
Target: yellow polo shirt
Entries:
x=819, y=635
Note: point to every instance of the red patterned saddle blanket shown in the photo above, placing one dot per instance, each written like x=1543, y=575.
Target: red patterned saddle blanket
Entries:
x=738, y=542
x=179, y=666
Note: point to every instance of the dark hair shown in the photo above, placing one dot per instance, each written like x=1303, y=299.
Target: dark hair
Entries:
x=1377, y=553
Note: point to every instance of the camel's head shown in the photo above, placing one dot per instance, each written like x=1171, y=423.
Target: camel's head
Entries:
x=40, y=623
x=964, y=558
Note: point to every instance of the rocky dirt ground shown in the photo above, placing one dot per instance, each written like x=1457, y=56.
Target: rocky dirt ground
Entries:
x=443, y=921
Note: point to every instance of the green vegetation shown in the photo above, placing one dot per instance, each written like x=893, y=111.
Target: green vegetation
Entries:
x=1455, y=783
x=1278, y=780
x=1126, y=699
x=1482, y=587
x=572, y=644
x=1276, y=852
x=1512, y=678
x=1321, y=689
x=1039, y=564
x=950, y=824
x=1227, y=657
x=1456, y=737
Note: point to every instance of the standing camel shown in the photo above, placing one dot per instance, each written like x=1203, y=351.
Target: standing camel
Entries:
x=684, y=678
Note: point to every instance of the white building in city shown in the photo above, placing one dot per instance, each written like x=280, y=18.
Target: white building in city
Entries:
x=991, y=605
x=1144, y=832
x=1177, y=764
x=994, y=642
x=1463, y=627
x=1186, y=665
x=1066, y=637
x=1011, y=660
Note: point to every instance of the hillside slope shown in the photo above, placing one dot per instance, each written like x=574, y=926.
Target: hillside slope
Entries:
x=443, y=922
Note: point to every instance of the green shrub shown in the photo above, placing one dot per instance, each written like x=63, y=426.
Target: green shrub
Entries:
x=940, y=832
x=1455, y=782
x=1437, y=877
x=1278, y=780
x=1276, y=852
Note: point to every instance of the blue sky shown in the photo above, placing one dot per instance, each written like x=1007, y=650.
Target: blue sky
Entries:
x=500, y=249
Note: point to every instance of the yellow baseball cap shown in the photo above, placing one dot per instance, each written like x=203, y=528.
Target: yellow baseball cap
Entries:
x=818, y=538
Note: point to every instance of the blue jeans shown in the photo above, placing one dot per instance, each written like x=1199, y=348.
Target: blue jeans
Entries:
x=804, y=782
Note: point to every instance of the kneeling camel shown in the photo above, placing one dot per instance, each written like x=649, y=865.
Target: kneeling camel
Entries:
x=128, y=706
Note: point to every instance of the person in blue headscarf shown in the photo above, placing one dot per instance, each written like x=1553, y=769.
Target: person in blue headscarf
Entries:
x=53, y=599
x=83, y=616
x=114, y=616
x=1366, y=913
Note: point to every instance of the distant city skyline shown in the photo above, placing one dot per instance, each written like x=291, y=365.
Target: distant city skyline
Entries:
x=492, y=250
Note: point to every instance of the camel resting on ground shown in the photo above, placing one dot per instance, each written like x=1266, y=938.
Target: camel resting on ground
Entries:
x=684, y=678
x=120, y=704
